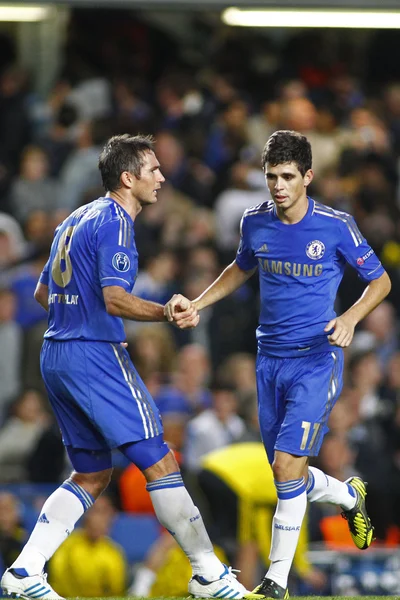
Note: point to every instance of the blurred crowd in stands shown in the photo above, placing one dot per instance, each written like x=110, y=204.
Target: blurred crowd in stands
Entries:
x=210, y=122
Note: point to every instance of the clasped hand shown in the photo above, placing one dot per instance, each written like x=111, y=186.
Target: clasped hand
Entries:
x=181, y=312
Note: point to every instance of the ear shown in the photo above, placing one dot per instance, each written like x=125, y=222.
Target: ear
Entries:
x=127, y=179
x=308, y=177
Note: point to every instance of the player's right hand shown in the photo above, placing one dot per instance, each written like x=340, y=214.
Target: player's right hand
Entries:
x=181, y=312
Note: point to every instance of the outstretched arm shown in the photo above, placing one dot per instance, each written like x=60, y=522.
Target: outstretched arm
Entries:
x=230, y=280
x=343, y=326
x=121, y=304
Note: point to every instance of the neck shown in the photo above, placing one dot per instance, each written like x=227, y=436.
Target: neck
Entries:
x=129, y=204
x=295, y=213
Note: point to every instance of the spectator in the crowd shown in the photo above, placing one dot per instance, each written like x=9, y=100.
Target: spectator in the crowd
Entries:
x=12, y=534
x=89, y=564
x=152, y=348
x=129, y=108
x=14, y=124
x=391, y=99
x=301, y=115
x=13, y=246
x=215, y=427
x=33, y=189
x=239, y=370
x=47, y=461
x=22, y=281
x=10, y=351
x=155, y=281
x=189, y=177
x=226, y=141
x=164, y=223
x=91, y=96
x=246, y=189
x=382, y=325
x=369, y=439
x=20, y=434
x=59, y=141
x=80, y=172
x=30, y=316
x=187, y=392
x=263, y=123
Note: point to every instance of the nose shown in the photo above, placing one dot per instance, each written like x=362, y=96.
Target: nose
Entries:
x=161, y=178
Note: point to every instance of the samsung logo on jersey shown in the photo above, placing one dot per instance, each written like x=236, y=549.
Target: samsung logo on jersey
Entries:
x=287, y=268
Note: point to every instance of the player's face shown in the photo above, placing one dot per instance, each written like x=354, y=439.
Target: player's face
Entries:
x=151, y=178
x=286, y=184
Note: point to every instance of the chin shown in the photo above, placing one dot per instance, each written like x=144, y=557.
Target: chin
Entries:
x=148, y=202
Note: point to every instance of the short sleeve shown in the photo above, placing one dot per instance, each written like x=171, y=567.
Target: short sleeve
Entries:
x=117, y=258
x=357, y=252
x=44, y=276
x=245, y=258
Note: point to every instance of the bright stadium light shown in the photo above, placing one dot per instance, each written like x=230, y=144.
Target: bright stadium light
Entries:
x=354, y=19
x=24, y=13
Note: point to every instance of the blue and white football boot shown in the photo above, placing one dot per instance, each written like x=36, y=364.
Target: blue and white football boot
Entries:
x=227, y=586
x=18, y=585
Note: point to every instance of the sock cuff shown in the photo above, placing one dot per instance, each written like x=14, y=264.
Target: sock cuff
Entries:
x=169, y=481
x=290, y=489
x=86, y=499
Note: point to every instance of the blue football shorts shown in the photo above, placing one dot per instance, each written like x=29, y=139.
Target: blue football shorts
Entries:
x=97, y=395
x=295, y=399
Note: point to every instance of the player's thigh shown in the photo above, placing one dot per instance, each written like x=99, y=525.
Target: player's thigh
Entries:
x=121, y=405
x=271, y=409
x=313, y=385
x=105, y=386
x=61, y=372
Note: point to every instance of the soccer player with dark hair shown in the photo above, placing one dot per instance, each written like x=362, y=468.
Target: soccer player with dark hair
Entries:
x=97, y=395
x=300, y=248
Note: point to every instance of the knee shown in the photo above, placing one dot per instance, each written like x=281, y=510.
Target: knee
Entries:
x=287, y=467
x=280, y=471
x=282, y=468
x=94, y=483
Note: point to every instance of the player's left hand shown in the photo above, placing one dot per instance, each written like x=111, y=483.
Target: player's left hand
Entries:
x=343, y=331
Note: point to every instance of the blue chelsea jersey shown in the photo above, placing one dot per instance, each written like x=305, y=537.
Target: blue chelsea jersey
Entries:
x=93, y=248
x=300, y=269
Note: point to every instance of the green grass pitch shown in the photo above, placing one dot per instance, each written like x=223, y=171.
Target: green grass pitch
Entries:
x=292, y=597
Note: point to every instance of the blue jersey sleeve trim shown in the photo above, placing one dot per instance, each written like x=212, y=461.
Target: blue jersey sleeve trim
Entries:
x=104, y=279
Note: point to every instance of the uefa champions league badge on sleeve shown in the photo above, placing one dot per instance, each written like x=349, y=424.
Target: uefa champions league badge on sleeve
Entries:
x=121, y=262
x=315, y=249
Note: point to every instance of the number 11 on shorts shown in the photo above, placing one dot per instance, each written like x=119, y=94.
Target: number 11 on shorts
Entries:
x=306, y=425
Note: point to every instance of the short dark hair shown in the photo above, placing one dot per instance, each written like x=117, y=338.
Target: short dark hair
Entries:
x=123, y=153
x=287, y=146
